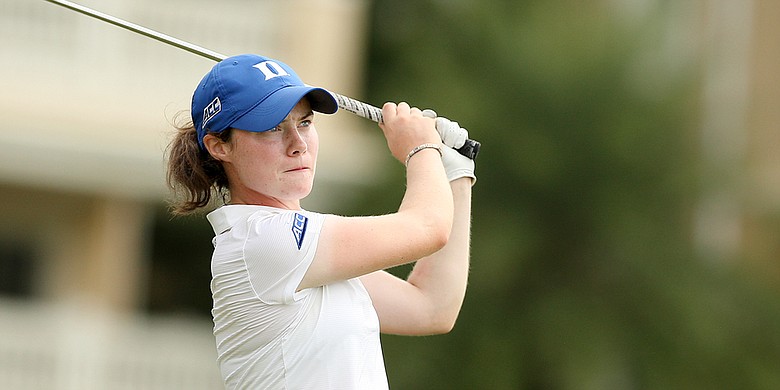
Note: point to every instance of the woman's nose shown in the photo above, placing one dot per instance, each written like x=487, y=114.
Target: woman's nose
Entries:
x=297, y=144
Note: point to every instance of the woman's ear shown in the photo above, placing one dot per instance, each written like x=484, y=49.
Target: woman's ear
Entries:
x=216, y=147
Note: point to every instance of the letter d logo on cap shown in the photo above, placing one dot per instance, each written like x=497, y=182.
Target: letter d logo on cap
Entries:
x=271, y=69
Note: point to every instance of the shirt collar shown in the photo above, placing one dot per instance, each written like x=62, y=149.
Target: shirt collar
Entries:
x=227, y=216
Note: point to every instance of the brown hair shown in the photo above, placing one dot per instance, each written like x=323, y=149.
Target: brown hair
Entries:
x=194, y=176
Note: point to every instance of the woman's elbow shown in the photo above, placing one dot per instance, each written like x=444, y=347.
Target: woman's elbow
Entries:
x=428, y=229
x=438, y=232
x=440, y=237
x=442, y=325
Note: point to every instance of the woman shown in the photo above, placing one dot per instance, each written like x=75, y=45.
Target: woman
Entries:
x=301, y=297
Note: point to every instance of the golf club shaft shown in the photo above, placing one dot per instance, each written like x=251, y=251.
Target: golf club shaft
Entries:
x=201, y=51
x=365, y=110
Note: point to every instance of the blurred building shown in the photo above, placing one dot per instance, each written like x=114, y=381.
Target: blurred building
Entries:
x=738, y=214
x=87, y=111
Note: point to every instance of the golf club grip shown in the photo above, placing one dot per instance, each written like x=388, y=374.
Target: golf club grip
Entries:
x=469, y=149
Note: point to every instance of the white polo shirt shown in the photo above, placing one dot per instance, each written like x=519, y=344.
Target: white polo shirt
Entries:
x=268, y=335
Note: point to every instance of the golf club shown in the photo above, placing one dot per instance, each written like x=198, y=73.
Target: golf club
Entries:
x=469, y=149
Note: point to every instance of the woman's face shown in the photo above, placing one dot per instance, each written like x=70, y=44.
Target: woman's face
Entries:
x=276, y=167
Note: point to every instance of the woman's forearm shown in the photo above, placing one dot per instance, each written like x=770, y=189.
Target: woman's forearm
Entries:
x=442, y=276
x=427, y=205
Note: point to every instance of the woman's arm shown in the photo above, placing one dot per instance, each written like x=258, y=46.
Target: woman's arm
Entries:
x=429, y=301
x=354, y=246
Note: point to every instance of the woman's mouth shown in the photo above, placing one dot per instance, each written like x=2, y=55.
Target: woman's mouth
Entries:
x=298, y=169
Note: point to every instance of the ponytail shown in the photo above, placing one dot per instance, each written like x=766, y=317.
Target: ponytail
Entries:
x=193, y=176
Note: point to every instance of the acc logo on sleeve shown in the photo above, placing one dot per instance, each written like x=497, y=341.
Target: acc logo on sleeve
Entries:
x=299, y=228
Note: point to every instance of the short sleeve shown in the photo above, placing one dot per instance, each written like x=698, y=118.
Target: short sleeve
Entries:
x=278, y=251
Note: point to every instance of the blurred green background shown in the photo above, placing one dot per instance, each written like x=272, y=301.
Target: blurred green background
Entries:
x=586, y=273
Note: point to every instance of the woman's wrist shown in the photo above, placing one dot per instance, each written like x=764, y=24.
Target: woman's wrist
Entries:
x=420, y=148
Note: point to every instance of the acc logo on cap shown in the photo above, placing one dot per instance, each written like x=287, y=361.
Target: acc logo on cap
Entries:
x=211, y=110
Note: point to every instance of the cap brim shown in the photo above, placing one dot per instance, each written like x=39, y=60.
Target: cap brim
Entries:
x=272, y=110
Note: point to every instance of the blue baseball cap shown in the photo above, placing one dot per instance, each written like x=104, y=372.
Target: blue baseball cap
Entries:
x=252, y=93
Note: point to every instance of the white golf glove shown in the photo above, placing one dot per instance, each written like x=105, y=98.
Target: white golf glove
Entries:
x=450, y=132
x=455, y=164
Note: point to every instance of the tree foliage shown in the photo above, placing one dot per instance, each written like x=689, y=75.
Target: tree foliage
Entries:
x=584, y=275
